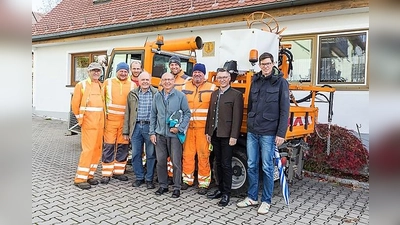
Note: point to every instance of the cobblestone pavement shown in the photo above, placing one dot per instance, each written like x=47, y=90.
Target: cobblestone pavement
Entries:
x=55, y=200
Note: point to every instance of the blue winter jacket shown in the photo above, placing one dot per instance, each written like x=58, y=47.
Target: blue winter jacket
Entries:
x=162, y=109
x=268, y=106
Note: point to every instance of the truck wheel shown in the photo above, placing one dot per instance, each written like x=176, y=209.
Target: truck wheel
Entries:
x=239, y=172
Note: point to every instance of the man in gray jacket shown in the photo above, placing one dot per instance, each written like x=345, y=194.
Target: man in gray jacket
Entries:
x=165, y=103
x=136, y=129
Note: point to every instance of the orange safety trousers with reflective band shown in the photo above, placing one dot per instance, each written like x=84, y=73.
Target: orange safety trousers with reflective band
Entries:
x=196, y=143
x=115, y=93
x=88, y=106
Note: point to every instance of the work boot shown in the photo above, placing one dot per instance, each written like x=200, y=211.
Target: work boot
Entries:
x=121, y=177
x=150, y=185
x=83, y=185
x=137, y=183
x=92, y=181
x=202, y=191
x=185, y=186
x=105, y=180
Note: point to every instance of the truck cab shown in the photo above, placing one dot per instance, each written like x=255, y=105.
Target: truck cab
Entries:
x=155, y=56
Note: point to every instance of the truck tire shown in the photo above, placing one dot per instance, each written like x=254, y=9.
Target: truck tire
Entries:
x=240, y=182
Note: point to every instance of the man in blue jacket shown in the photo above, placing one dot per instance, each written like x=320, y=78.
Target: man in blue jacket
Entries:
x=165, y=103
x=267, y=122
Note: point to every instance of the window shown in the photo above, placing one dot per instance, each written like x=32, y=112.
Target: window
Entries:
x=126, y=57
x=161, y=65
x=302, y=51
x=342, y=58
x=80, y=62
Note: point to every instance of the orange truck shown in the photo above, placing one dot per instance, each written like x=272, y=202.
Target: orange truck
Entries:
x=303, y=113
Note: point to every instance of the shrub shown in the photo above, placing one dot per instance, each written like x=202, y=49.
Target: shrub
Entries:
x=348, y=154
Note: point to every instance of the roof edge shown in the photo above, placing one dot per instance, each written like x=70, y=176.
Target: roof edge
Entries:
x=175, y=19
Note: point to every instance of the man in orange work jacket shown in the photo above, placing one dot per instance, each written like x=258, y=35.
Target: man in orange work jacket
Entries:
x=115, y=149
x=198, y=93
x=88, y=106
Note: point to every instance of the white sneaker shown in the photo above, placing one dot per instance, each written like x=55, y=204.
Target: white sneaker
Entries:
x=246, y=202
x=264, y=208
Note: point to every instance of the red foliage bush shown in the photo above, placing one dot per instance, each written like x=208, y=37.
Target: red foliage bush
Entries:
x=347, y=153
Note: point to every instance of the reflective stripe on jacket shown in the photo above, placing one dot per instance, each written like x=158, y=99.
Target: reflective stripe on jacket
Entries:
x=116, y=92
x=199, y=100
x=81, y=98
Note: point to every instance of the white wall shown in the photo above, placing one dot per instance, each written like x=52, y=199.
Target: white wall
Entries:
x=52, y=63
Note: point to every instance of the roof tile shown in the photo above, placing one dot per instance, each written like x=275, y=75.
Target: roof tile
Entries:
x=75, y=15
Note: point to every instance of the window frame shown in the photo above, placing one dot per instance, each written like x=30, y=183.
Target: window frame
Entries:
x=313, y=39
x=315, y=58
x=344, y=86
x=91, y=55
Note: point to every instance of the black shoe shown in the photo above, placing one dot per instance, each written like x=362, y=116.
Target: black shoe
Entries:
x=184, y=186
x=83, y=185
x=215, y=195
x=121, y=177
x=105, y=180
x=150, y=185
x=92, y=181
x=176, y=194
x=202, y=191
x=224, y=200
x=170, y=181
x=161, y=191
x=137, y=183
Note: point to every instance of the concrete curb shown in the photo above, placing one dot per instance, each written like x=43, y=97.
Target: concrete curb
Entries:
x=354, y=183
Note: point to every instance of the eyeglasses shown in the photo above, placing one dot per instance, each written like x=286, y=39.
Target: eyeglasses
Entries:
x=266, y=64
x=168, y=79
x=222, y=78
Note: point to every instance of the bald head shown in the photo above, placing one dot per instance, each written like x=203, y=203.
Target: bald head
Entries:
x=167, y=81
x=144, y=80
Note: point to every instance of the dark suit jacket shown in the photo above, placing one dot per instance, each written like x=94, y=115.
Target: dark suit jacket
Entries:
x=230, y=113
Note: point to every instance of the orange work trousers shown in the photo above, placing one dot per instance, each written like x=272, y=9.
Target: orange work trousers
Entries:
x=115, y=151
x=196, y=143
x=92, y=130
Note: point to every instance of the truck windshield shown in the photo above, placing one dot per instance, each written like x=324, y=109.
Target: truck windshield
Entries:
x=161, y=65
x=127, y=57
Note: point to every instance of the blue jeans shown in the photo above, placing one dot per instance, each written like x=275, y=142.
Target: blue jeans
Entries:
x=139, y=137
x=265, y=145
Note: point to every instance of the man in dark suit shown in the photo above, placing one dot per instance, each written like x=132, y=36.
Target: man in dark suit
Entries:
x=224, y=119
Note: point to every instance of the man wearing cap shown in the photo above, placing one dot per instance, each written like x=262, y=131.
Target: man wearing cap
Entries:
x=198, y=92
x=88, y=106
x=179, y=74
x=115, y=149
x=136, y=69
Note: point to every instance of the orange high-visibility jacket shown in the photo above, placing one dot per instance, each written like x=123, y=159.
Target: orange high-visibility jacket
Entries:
x=116, y=92
x=199, y=100
x=80, y=100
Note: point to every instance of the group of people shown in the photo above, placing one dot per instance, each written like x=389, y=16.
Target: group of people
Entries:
x=186, y=116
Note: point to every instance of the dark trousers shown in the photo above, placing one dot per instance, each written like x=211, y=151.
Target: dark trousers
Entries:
x=169, y=146
x=223, y=156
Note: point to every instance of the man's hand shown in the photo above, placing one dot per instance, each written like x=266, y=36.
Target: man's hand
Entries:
x=232, y=141
x=153, y=139
x=126, y=137
x=174, y=130
x=208, y=138
x=279, y=141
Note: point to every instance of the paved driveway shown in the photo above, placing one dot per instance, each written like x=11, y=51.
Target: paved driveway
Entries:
x=55, y=200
